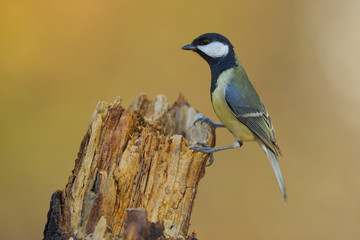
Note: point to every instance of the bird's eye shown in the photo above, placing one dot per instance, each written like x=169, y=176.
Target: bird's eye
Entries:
x=205, y=41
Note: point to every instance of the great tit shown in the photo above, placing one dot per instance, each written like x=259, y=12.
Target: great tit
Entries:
x=235, y=101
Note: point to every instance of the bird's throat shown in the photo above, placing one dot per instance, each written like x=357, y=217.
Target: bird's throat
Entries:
x=217, y=68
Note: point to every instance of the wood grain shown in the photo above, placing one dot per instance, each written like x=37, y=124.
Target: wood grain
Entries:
x=134, y=157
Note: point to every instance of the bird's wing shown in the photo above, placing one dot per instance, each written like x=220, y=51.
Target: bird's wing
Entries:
x=246, y=105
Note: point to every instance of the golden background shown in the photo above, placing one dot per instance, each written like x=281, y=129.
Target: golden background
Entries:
x=59, y=58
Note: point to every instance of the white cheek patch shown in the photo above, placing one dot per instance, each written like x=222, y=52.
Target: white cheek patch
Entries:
x=215, y=49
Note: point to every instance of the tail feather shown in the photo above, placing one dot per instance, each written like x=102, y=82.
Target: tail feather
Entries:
x=276, y=167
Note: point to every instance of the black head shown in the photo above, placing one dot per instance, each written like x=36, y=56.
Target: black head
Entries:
x=215, y=49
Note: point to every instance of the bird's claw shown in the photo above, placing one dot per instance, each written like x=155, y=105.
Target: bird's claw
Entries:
x=211, y=160
x=208, y=121
x=202, y=148
x=203, y=119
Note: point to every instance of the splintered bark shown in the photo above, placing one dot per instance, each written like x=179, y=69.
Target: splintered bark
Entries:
x=134, y=157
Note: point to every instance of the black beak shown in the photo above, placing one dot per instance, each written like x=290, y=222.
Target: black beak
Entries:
x=189, y=47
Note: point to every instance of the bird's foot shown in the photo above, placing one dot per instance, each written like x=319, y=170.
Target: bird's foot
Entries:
x=211, y=160
x=202, y=148
x=205, y=149
x=208, y=121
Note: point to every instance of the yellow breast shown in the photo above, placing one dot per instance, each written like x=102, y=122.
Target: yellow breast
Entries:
x=222, y=110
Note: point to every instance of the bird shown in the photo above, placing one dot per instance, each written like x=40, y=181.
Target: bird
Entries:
x=235, y=101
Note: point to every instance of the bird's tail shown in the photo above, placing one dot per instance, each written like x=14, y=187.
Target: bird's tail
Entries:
x=276, y=167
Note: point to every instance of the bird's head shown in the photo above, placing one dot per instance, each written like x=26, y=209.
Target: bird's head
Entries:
x=213, y=47
x=216, y=50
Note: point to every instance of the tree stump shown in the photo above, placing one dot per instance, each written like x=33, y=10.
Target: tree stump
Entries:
x=133, y=164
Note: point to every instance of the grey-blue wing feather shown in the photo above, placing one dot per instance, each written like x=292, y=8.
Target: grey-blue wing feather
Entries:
x=246, y=105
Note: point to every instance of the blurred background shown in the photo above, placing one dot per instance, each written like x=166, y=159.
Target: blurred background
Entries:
x=58, y=59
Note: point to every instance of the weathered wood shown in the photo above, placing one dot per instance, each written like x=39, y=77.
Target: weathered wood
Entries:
x=138, y=227
x=132, y=158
